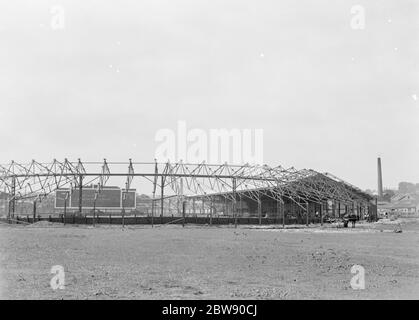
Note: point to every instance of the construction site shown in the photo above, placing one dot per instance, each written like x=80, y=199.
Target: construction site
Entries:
x=89, y=193
x=203, y=232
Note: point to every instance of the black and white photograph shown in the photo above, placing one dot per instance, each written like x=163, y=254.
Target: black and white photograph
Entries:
x=223, y=152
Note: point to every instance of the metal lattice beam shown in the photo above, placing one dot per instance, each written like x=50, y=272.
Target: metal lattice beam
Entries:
x=35, y=179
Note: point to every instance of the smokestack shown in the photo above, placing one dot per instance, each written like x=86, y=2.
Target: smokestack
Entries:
x=380, y=179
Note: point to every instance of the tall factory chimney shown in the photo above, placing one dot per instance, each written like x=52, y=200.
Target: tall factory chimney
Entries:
x=380, y=179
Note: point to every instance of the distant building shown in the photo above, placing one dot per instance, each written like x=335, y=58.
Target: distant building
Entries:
x=143, y=204
x=4, y=203
x=108, y=199
x=403, y=205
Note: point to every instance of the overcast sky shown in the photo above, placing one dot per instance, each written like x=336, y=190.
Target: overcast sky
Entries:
x=328, y=97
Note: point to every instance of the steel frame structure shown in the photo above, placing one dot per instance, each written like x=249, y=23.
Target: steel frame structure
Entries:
x=35, y=180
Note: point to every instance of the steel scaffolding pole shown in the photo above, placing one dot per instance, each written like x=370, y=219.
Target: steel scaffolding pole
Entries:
x=12, y=201
x=34, y=211
x=307, y=212
x=211, y=210
x=283, y=212
x=154, y=194
x=80, y=194
x=234, y=182
x=162, y=195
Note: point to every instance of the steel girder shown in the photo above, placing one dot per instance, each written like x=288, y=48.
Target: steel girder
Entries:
x=36, y=179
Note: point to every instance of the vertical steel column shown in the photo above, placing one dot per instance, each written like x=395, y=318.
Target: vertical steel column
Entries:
x=94, y=209
x=12, y=201
x=80, y=194
x=278, y=210
x=321, y=214
x=183, y=212
x=182, y=207
x=34, y=211
x=241, y=205
x=124, y=197
x=154, y=193
x=162, y=195
x=260, y=210
x=65, y=207
x=234, y=202
x=324, y=207
x=292, y=210
x=283, y=212
x=212, y=209
x=307, y=209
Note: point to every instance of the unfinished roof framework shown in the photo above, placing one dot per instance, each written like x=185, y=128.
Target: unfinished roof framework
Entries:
x=36, y=180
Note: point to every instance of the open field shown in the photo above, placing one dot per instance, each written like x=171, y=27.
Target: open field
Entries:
x=199, y=262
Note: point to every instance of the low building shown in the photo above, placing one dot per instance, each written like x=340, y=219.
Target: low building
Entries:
x=402, y=205
x=4, y=203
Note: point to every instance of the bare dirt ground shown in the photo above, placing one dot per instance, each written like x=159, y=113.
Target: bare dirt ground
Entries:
x=201, y=262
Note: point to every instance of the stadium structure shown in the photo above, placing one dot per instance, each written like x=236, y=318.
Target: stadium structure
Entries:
x=258, y=193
